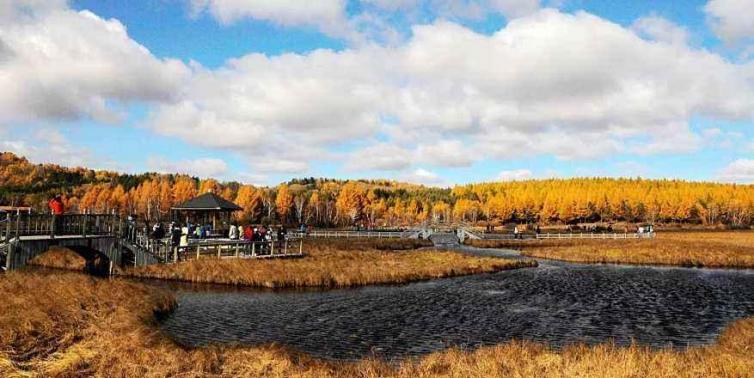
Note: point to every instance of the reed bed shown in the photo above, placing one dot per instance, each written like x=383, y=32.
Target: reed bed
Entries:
x=59, y=258
x=689, y=249
x=333, y=264
x=65, y=324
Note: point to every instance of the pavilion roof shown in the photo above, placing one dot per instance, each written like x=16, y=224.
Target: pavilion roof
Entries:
x=208, y=201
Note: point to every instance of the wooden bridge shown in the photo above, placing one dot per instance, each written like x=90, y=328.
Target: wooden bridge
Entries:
x=107, y=240
x=93, y=236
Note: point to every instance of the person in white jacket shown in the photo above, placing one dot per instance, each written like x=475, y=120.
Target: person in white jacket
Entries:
x=184, y=236
x=233, y=234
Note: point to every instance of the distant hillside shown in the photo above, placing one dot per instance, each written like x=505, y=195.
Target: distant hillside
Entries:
x=330, y=202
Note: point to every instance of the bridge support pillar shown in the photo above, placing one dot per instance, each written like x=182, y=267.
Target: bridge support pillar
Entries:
x=9, y=256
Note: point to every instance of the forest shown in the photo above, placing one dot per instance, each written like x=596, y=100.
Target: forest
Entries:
x=383, y=203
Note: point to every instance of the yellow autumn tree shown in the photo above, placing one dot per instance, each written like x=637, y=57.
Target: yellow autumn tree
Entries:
x=184, y=189
x=283, y=202
x=350, y=202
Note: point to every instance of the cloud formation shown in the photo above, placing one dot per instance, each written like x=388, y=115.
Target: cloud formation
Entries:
x=569, y=85
x=326, y=15
x=514, y=175
x=59, y=64
x=573, y=86
x=740, y=170
x=732, y=20
x=202, y=167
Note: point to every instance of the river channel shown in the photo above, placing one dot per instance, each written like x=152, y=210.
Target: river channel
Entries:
x=556, y=303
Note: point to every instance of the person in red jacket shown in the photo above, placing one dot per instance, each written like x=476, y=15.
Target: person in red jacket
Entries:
x=57, y=209
x=56, y=205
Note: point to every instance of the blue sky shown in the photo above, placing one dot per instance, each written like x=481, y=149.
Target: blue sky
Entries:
x=430, y=91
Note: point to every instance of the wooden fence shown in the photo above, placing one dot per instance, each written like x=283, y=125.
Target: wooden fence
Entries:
x=590, y=235
x=196, y=249
x=23, y=224
x=353, y=234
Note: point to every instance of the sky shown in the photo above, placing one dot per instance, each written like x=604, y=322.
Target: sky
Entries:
x=435, y=92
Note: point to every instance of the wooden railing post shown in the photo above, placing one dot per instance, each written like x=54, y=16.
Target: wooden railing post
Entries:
x=18, y=224
x=7, y=230
x=84, y=225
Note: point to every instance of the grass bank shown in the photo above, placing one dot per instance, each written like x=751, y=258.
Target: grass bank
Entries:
x=333, y=263
x=66, y=324
x=729, y=249
x=60, y=258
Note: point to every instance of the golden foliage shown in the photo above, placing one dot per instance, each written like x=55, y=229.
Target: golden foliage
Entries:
x=326, y=202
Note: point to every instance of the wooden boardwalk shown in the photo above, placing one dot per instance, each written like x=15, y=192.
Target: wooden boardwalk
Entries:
x=24, y=236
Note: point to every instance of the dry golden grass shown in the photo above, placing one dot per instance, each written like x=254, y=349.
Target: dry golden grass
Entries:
x=697, y=249
x=333, y=263
x=64, y=325
x=59, y=258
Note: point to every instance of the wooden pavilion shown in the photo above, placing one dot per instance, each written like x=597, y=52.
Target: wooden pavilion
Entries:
x=208, y=208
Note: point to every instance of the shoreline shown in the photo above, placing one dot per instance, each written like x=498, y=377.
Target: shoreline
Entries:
x=126, y=341
x=722, y=250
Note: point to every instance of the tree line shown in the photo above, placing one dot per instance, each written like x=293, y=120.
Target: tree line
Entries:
x=383, y=203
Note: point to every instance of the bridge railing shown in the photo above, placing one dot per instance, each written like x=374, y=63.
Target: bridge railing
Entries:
x=19, y=225
x=591, y=235
x=351, y=234
x=165, y=252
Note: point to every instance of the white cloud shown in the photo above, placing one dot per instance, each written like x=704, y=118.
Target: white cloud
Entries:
x=661, y=29
x=574, y=86
x=326, y=15
x=202, y=167
x=47, y=145
x=514, y=175
x=422, y=176
x=732, y=20
x=515, y=8
x=741, y=170
x=56, y=63
x=461, y=9
x=445, y=153
x=380, y=156
x=277, y=165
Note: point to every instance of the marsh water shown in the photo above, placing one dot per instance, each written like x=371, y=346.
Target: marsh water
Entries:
x=557, y=303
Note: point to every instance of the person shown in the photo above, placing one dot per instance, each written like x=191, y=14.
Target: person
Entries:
x=539, y=230
x=132, y=227
x=233, y=233
x=157, y=231
x=185, y=231
x=248, y=233
x=56, y=205
x=281, y=234
x=263, y=232
x=175, y=239
x=241, y=232
x=515, y=232
x=57, y=209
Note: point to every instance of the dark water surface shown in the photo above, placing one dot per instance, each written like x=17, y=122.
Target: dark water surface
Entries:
x=557, y=303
